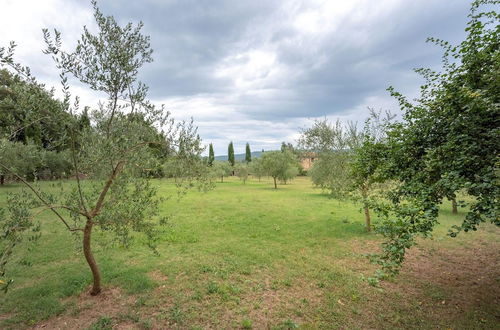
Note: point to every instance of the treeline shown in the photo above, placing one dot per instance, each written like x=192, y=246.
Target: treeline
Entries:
x=34, y=141
x=282, y=165
x=36, y=136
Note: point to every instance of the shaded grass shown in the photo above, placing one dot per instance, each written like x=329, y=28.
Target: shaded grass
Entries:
x=239, y=256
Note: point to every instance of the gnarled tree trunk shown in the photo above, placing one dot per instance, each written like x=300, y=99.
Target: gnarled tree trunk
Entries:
x=87, y=234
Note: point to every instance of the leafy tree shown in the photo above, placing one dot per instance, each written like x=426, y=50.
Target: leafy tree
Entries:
x=334, y=145
x=365, y=173
x=211, y=155
x=21, y=119
x=230, y=153
x=257, y=168
x=448, y=141
x=280, y=165
x=348, y=160
x=25, y=159
x=113, y=153
x=220, y=170
x=248, y=154
x=242, y=171
x=57, y=165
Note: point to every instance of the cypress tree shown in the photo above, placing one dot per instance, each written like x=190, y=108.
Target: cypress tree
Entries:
x=211, y=155
x=248, y=154
x=230, y=153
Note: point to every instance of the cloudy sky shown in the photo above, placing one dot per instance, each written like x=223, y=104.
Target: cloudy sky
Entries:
x=257, y=71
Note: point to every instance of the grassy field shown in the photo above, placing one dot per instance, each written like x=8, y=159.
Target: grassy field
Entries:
x=249, y=256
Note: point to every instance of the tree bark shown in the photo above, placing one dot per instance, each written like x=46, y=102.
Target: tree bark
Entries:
x=367, y=219
x=275, y=185
x=454, y=207
x=364, y=194
x=87, y=233
x=2, y=179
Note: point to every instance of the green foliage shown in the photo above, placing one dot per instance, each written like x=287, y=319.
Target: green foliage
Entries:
x=334, y=145
x=24, y=159
x=242, y=170
x=448, y=141
x=211, y=155
x=248, y=154
x=348, y=160
x=31, y=114
x=246, y=324
x=230, y=153
x=257, y=168
x=280, y=165
x=220, y=170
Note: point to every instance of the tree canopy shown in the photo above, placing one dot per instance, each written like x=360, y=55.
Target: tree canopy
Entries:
x=448, y=141
x=280, y=165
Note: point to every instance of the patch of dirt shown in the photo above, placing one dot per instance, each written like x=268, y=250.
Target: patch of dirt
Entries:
x=455, y=287
x=269, y=307
x=89, y=309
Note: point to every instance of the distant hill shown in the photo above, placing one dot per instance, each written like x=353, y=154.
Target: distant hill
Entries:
x=240, y=157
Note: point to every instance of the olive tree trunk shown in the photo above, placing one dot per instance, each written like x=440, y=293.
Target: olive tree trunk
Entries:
x=87, y=234
x=454, y=207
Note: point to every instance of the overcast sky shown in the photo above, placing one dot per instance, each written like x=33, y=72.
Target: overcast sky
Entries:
x=257, y=71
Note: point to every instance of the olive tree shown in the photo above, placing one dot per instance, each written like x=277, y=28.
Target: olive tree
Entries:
x=280, y=165
x=242, y=171
x=112, y=153
x=257, y=168
x=333, y=145
x=220, y=170
x=346, y=164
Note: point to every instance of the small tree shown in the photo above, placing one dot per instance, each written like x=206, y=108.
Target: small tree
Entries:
x=257, y=168
x=248, y=154
x=280, y=165
x=220, y=170
x=348, y=159
x=113, y=152
x=242, y=171
x=368, y=161
x=334, y=145
x=230, y=153
x=211, y=155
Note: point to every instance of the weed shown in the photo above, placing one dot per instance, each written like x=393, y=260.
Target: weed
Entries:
x=246, y=324
x=104, y=323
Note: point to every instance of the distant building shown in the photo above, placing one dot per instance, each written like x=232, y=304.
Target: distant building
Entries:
x=307, y=160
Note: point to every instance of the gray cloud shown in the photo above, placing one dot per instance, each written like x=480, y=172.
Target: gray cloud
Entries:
x=256, y=70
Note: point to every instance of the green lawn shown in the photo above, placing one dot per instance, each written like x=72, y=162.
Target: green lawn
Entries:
x=247, y=256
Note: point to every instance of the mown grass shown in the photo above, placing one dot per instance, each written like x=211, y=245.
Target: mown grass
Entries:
x=240, y=256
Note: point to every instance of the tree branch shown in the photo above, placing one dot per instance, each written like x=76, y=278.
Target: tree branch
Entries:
x=105, y=190
x=37, y=194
